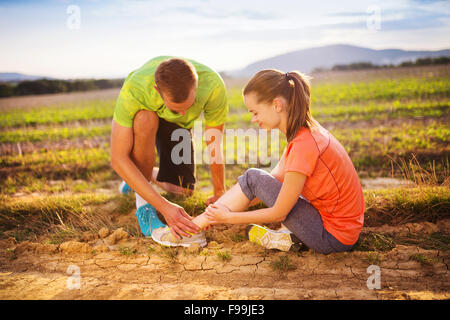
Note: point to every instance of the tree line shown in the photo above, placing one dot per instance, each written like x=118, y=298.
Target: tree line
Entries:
x=369, y=65
x=43, y=86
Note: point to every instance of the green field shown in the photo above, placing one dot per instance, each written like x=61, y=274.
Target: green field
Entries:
x=397, y=127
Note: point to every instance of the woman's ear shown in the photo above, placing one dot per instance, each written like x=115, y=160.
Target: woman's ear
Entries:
x=278, y=105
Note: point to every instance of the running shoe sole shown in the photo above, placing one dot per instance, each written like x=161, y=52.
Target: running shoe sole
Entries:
x=270, y=239
x=186, y=242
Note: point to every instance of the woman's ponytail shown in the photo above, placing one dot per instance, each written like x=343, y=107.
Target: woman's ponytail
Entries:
x=299, y=114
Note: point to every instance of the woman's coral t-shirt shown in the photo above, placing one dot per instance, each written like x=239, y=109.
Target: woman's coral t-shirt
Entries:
x=332, y=185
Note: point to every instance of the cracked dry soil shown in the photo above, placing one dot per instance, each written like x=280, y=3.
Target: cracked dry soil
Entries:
x=122, y=267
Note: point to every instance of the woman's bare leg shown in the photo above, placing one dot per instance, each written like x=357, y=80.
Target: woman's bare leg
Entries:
x=234, y=199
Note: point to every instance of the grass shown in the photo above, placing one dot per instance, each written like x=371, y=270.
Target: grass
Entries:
x=170, y=253
x=237, y=237
x=64, y=113
x=224, y=255
x=374, y=242
x=423, y=259
x=283, y=265
x=401, y=139
x=403, y=205
x=79, y=156
x=323, y=95
x=43, y=182
x=61, y=235
x=328, y=94
x=410, y=87
x=434, y=241
x=150, y=250
x=371, y=150
x=54, y=133
x=127, y=251
x=373, y=257
x=364, y=111
x=71, y=213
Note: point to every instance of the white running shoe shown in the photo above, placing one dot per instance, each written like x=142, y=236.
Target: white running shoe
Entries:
x=164, y=237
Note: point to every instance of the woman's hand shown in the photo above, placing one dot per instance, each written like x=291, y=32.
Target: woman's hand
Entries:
x=217, y=213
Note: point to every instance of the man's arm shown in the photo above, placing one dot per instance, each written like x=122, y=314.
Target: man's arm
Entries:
x=121, y=146
x=214, y=136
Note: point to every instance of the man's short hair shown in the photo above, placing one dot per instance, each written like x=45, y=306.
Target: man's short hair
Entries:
x=176, y=77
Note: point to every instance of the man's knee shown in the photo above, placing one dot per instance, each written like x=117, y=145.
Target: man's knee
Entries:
x=145, y=121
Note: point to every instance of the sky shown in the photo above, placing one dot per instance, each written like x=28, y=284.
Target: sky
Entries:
x=110, y=38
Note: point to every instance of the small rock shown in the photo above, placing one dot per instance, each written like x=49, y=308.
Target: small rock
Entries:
x=74, y=247
x=116, y=236
x=88, y=236
x=99, y=242
x=103, y=232
x=194, y=248
x=101, y=248
x=50, y=248
x=214, y=245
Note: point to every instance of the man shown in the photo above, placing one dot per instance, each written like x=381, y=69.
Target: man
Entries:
x=164, y=95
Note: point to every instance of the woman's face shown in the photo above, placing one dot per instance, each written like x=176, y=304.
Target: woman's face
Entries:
x=265, y=114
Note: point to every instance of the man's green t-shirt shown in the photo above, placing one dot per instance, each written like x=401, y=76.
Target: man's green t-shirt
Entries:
x=138, y=93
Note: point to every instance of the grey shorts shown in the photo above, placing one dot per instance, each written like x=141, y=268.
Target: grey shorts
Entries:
x=304, y=220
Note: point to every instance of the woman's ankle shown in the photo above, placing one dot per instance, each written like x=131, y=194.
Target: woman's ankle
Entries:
x=201, y=221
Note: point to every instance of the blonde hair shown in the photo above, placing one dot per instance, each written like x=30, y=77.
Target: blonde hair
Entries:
x=294, y=87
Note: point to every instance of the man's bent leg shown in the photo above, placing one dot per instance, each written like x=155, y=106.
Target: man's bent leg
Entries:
x=145, y=126
x=176, y=171
x=169, y=187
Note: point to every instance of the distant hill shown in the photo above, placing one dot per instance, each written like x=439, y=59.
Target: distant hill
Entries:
x=17, y=77
x=328, y=56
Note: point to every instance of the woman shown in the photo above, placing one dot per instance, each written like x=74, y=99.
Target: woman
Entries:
x=314, y=190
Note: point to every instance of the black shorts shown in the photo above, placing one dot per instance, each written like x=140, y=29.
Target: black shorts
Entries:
x=182, y=174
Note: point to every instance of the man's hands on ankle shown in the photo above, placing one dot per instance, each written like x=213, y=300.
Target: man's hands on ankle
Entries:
x=178, y=220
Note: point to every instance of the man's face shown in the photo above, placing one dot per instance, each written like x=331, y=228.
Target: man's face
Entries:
x=180, y=107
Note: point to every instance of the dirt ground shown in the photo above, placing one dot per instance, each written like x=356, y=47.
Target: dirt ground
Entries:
x=114, y=265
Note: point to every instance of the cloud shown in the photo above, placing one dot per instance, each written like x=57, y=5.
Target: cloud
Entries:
x=211, y=12
x=411, y=18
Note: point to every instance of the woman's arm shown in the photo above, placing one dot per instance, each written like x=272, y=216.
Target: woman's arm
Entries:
x=278, y=171
x=290, y=192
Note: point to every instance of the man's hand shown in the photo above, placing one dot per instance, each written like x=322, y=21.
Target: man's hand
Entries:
x=178, y=220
